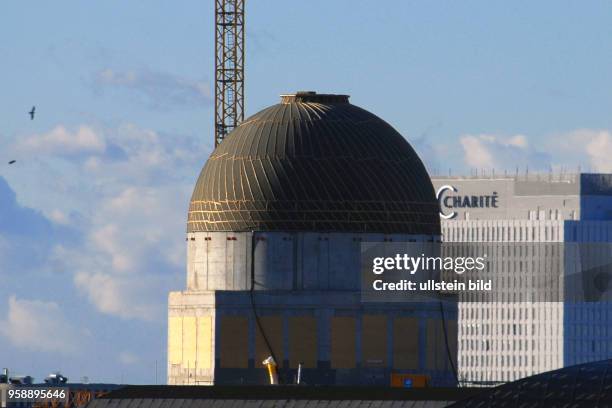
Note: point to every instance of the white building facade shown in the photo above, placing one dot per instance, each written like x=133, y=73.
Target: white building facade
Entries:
x=528, y=222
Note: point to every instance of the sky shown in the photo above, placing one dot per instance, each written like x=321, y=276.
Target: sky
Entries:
x=93, y=213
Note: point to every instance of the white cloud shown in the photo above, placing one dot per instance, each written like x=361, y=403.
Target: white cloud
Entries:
x=599, y=150
x=145, y=158
x=140, y=223
x=476, y=152
x=58, y=217
x=107, y=239
x=589, y=149
x=124, y=197
x=62, y=141
x=489, y=151
x=131, y=251
x=518, y=141
x=131, y=217
x=111, y=77
x=590, y=146
x=161, y=89
x=127, y=297
x=38, y=326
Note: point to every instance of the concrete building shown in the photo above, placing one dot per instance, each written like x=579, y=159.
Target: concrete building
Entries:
x=536, y=223
x=274, y=236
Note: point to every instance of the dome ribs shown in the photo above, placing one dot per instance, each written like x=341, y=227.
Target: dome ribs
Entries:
x=314, y=164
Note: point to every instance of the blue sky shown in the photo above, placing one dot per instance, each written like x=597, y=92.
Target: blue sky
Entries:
x=92, y=215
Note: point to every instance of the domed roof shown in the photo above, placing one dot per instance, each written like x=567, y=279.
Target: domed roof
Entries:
x=583, y=385
x=314, y=163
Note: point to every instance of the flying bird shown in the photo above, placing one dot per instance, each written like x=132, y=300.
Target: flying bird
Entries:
x=32, y=112
x=12, y=161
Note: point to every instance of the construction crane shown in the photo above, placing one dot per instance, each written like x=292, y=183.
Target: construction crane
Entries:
x=229, y=66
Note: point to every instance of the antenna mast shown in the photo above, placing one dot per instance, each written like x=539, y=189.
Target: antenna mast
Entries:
x=229, y=66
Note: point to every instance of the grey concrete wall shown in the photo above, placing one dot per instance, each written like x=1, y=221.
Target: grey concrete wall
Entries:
x=313, y=273
x=283, y=261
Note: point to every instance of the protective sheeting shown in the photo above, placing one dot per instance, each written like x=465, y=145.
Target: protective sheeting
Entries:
x=314, y=164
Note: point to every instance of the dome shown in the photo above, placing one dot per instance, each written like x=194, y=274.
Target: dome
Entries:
x=314, y=162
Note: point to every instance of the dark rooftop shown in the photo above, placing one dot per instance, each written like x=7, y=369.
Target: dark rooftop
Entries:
x=584, y=385
x=276, y=396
